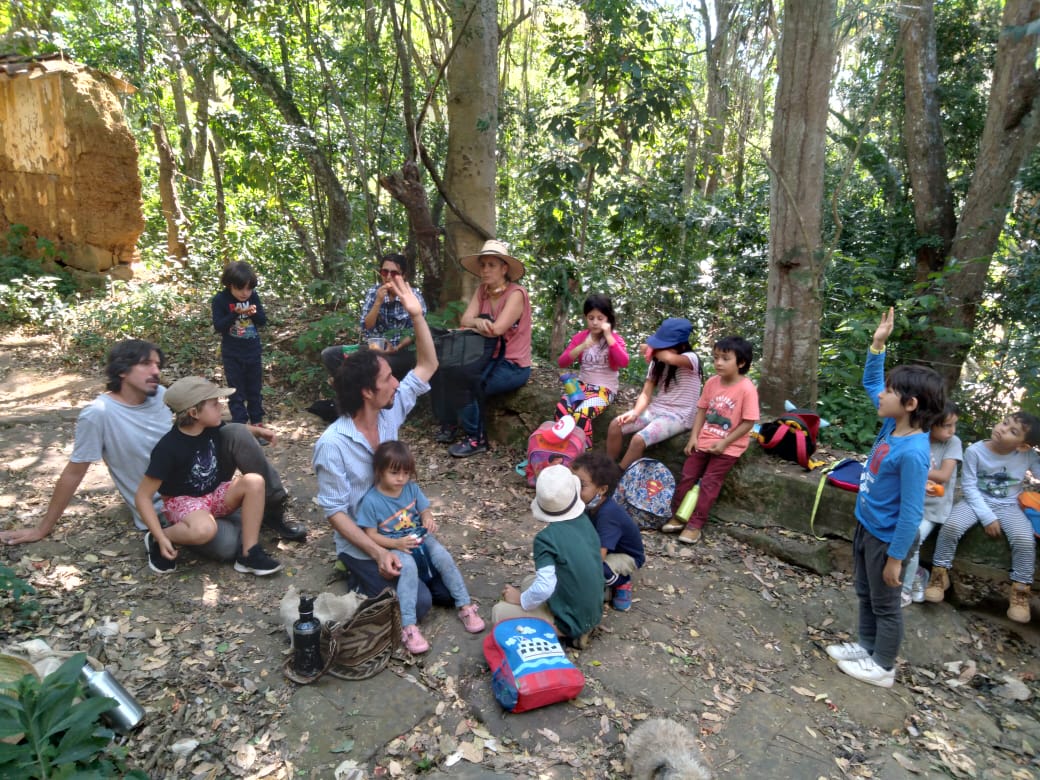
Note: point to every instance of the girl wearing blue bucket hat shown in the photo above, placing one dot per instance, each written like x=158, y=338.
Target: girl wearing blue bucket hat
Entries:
x=668, y=402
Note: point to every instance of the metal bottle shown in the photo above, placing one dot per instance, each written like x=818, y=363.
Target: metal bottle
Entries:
x=127, y=713
x=307, y=660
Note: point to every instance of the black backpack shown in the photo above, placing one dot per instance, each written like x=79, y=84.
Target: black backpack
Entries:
x=791, y=436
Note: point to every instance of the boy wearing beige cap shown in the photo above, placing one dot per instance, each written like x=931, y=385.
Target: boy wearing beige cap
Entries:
x=184, y=470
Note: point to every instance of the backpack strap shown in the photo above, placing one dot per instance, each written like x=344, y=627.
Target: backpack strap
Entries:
x=802, y=451
x=816, y=503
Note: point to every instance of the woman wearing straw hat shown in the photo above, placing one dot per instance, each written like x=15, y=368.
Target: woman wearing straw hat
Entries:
x=499, y=308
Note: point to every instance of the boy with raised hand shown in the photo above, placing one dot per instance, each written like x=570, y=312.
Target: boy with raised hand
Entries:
x=889, y=507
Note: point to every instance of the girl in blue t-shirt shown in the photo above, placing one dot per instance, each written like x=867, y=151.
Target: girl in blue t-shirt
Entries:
x=396, y=514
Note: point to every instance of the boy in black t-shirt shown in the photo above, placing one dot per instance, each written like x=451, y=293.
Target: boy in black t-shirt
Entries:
x=184, y=470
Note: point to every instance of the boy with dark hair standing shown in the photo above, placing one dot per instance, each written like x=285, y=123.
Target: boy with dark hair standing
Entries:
x=237, y=315
x=991, y=480
x=889, y=507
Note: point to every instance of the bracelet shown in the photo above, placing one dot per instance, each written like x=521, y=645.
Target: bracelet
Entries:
x=876, y=351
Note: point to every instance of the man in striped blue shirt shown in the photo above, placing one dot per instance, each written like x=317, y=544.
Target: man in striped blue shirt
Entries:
x=372, y=406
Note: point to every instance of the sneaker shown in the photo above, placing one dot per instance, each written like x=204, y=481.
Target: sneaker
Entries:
x=413, y=641
x=156, y=561
x=274, y=520
x=848, y=651
x=257, y=562
x=470, y=619
x=622, y=599
x=673, y=526
x=905, y=599
x=447, y=434
x=867, y=670
x=690, y=535
x=468, y=447
x=917, y=587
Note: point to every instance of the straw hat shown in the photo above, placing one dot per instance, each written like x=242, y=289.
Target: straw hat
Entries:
x=557, y=495
x=494, y=248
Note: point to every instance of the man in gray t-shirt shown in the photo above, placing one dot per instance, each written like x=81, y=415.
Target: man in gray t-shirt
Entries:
x=122, y=425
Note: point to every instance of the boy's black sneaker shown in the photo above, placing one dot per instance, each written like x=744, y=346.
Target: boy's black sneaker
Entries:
x=156, y=561
x=257, y=562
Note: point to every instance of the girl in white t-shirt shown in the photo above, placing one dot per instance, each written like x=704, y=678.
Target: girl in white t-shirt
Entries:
x=675, y=375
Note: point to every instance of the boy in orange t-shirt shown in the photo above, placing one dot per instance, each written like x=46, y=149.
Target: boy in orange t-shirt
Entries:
x=727, y=410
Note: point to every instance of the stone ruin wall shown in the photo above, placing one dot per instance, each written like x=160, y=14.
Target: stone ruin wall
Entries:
x=68, y=164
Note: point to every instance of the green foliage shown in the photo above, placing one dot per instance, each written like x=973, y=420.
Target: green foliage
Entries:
x=20, y=590
x=63, y=737
x=29, y=291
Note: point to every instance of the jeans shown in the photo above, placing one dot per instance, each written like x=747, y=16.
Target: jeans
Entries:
x=880, y=613
x=409, y=581
x=363, y=576
x=246, y=375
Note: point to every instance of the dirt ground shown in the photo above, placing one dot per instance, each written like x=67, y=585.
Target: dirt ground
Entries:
x=722, y=638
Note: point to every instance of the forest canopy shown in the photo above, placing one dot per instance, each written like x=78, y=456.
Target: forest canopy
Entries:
x=630, y=148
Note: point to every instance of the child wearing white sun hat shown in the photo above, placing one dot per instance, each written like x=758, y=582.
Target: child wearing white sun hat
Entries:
x=567, y=587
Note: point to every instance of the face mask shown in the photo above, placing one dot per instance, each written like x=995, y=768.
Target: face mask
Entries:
x=594, y=502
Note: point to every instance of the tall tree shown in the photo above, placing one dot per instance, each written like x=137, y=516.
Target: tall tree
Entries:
x=470, y=166
x=793, y=301
x=1011, y=132
x=337, y=225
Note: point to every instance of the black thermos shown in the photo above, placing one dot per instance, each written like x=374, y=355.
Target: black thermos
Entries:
x=307, y=661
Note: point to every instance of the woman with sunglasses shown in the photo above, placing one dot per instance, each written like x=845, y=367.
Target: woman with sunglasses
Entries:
x=383, y=317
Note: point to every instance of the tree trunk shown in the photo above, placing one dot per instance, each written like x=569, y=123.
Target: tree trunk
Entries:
x=1011, y=132
x=793, y=304
x=337, y=224
x=470, y=166
x=176, y=244
x=925, y=153
x=407, y=189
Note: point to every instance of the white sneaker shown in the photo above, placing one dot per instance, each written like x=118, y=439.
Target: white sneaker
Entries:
x=867, y=670
x=905, y=599
x=847, y=651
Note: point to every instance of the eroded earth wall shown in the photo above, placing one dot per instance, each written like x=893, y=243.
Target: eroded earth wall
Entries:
x=68, y=164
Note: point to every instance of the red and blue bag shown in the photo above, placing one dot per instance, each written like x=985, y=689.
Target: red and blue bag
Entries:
x=645, y=492
x=529, y=668
x=791, y=436
x=553, y=443
x=845, y=474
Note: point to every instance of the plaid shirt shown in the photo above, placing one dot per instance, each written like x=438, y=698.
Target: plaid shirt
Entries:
x=392, y=320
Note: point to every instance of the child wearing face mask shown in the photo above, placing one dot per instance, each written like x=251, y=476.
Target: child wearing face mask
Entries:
x=621, y=544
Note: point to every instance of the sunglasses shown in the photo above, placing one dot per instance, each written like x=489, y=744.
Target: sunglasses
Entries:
x=388, y=272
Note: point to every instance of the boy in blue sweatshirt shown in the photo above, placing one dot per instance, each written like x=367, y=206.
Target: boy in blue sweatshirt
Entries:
x=889, y=507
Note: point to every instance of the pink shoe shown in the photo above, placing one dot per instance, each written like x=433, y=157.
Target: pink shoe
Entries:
x=414, y=641
x=470, y=619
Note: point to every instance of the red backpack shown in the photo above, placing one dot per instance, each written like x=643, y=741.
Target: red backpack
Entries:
x=551, y=443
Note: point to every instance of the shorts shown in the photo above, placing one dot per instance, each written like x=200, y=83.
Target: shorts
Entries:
x=657, y=428
x=176, y=508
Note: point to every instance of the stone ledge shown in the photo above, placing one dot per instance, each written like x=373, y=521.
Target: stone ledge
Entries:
x=764, y=499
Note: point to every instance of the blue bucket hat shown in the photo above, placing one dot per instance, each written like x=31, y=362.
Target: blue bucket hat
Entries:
x=674, y=330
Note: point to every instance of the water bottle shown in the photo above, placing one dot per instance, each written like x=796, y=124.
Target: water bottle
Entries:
x=307, y=660
x=571, y=388
x=688, y=503
x=127, y=713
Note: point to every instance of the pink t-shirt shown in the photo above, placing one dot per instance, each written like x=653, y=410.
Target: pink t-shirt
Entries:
x=518, y=337
x=727, y=406
x=600, y=363
x=680, y=397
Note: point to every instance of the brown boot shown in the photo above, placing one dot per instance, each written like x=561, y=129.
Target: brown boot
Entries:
x=1018, y=602
x=937, y=585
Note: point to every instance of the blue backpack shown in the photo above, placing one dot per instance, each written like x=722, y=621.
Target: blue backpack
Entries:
x=645, y=492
